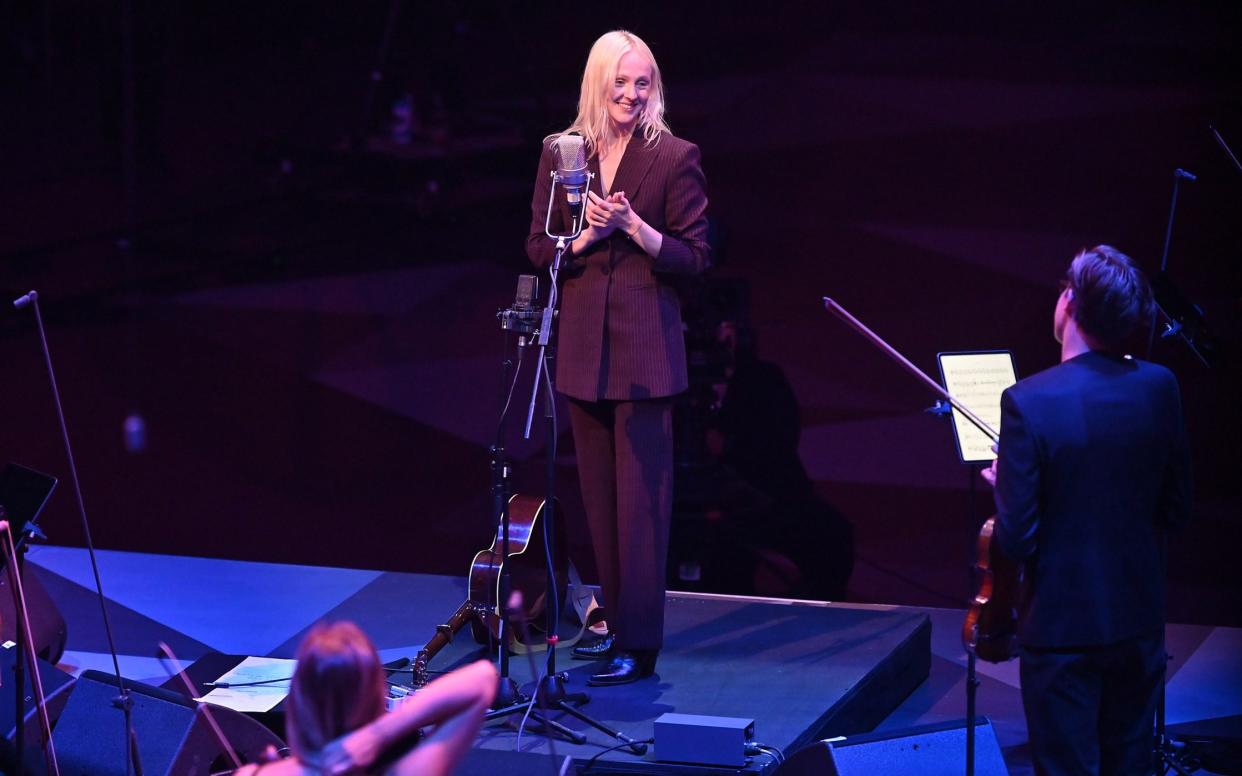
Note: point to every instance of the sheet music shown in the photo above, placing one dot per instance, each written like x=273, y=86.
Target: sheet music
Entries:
x=255, y=697
x=977, y=380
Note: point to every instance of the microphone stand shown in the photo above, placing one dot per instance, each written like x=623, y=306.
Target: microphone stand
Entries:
x=1174, y=327
x=1165, y=755
x=508, y=693
x=1225, y=147
x=509, y=698
x=123, y=701
x=550, y=691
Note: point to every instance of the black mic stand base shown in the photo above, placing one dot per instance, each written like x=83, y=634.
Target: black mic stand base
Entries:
x=507, y=694
x=1166, y=754
x=1169, y=758
x=554, y=693
x=510, y=700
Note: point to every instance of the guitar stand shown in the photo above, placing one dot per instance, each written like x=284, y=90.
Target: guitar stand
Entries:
x=469, y=611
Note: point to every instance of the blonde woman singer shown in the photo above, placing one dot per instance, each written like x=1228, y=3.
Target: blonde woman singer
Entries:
x=621, y=347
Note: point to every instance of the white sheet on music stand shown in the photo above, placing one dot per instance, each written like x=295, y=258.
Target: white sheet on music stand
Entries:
x=977, y=380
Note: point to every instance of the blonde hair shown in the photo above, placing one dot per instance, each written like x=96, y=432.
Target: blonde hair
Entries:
x=337, y=688
x=593, y=122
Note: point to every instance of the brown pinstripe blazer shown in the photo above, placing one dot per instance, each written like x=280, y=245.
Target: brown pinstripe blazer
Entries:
x=620, y=330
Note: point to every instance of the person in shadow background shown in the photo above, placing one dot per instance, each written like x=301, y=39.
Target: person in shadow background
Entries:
x=801, y=546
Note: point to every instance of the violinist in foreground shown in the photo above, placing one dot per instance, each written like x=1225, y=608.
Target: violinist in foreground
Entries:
x=1093, y=467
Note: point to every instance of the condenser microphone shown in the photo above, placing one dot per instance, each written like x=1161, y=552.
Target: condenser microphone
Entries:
x=571, y=169
x=25, y=299
x=1185, y=175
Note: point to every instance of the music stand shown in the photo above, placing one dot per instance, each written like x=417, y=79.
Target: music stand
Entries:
x=23, y=494
x=976, y=378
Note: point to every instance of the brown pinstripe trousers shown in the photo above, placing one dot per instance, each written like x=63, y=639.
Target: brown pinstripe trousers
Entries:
x=625, y=467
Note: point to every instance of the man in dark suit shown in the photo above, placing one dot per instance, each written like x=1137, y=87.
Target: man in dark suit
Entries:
x=1093, y=467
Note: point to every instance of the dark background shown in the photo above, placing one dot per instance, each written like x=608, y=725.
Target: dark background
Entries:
x=304, y=315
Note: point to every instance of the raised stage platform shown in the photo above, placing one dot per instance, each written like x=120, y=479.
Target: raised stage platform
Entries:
x=800, y=670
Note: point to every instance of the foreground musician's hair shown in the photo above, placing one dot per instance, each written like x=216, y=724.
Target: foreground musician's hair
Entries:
x=337, y=721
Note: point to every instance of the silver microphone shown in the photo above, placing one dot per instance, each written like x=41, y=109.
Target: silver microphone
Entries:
x=571, y=170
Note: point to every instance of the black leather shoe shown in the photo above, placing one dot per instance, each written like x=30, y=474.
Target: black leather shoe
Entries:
x=596, y=650
x=626, y=667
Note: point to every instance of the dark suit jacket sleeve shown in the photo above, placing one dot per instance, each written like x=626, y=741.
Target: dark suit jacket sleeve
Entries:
x=539, y=247
x=1017, y=482
x=1174, y=507
x=685, y=249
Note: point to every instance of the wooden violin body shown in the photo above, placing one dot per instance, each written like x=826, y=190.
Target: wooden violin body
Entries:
x=527, y=567
x=990, y=630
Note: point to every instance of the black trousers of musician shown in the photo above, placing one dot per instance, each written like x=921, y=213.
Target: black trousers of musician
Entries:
x=625, y=468
x=1093, y=711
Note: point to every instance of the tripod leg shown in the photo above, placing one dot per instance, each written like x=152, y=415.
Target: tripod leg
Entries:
x=567, y=732
x=520, y=708
x=637, y=747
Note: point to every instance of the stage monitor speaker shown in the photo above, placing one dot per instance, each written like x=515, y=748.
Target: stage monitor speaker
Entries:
x=56, y=686
x=46, y=620
x=928, y=750
x=173, y=734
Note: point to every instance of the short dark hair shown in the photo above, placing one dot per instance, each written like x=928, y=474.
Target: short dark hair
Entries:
x=1111, y=296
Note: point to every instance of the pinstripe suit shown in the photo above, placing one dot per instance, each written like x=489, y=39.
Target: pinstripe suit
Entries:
x=621, y=359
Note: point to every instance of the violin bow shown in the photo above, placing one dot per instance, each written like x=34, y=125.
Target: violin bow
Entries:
x=892, y=353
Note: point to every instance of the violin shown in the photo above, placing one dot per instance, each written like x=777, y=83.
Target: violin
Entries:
x=990, y=630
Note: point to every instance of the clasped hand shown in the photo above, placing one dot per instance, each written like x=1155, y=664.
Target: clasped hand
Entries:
x=611, y=213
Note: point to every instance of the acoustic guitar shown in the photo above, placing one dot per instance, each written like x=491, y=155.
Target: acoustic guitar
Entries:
x=526, y=563
x=527, y=567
